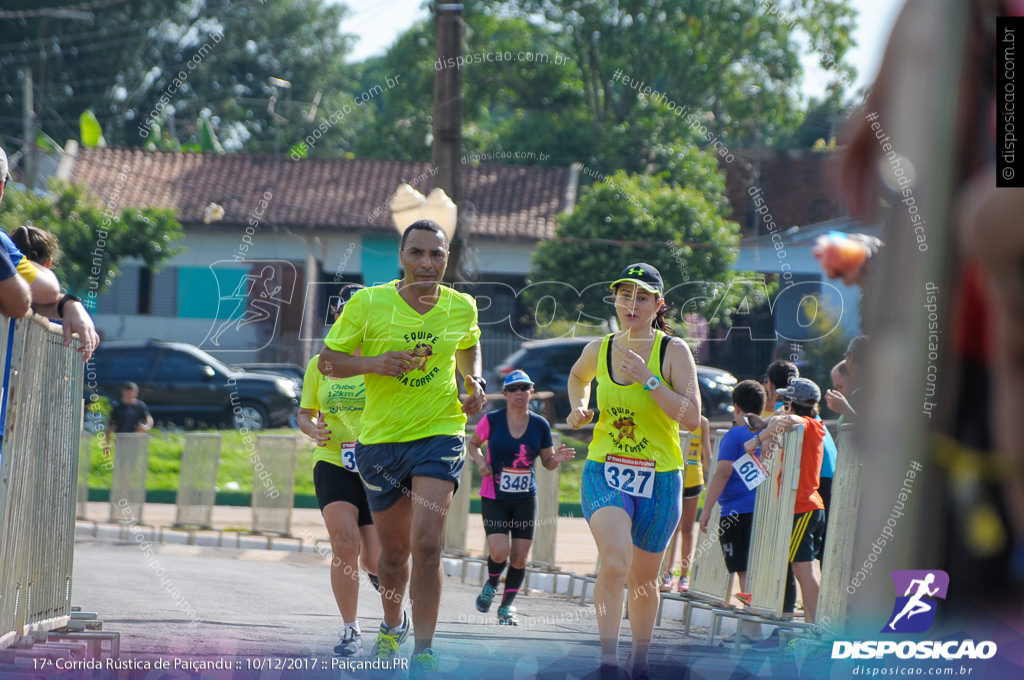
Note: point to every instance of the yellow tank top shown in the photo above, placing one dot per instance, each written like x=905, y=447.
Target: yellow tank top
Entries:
x=694, y=465
x=631, y=423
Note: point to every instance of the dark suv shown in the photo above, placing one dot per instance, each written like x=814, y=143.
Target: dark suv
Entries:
x=184, y=385
x=548, y=362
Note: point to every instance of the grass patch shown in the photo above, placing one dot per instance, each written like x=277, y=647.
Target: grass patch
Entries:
x=235, y=467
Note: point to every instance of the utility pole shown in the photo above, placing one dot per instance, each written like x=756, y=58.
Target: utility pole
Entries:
x=28, y=129
x=447, y=126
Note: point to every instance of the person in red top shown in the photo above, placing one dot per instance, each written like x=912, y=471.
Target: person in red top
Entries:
x=802, y=397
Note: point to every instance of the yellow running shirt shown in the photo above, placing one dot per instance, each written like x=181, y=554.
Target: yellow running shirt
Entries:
x=632, y=424
x=341, y=401
x=423, y=402
x=694, y=465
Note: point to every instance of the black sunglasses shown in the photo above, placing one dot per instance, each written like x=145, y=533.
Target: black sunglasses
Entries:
x=518, y=388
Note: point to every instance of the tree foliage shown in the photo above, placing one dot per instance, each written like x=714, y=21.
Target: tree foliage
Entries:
x=126, y=63
x=93, y=239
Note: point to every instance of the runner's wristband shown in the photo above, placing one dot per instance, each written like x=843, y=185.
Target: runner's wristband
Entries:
x=60, y=304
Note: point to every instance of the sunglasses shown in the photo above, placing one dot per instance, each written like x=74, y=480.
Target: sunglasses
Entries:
x=518, y=388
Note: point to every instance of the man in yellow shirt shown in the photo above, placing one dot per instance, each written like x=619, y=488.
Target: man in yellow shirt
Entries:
x=413, y=334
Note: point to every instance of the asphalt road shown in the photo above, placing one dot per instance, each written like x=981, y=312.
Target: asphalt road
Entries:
x=270, y=614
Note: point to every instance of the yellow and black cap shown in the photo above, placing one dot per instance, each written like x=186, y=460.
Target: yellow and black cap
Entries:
x=643, y=275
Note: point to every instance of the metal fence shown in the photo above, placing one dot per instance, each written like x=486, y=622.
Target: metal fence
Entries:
x=709, y=577
x=773, y=527
x=197, y=487
x=39, y=468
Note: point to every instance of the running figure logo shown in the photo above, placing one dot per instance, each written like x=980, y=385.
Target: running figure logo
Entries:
x=420, y=354
x=913, y=612
x=626, y=428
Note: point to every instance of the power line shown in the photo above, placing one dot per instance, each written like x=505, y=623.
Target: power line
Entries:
x=56, y=11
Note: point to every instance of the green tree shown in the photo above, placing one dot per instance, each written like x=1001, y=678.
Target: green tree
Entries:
x=129, y=56
x=735, y=60
x=629, y=218
x=93, y=240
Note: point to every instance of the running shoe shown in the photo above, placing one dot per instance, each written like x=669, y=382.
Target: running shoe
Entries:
x=350, y=644
x=507, y=616
x=423, y=665
x=610, y=671
x=641, y=673
x=770, y=644
x=744, y=598
x=668, y=582
x=684, y=585
x=388, y=640
x=483, y=601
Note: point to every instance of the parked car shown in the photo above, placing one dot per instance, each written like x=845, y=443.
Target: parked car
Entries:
x=183, y=385
x=293, y=372
x=548, y=362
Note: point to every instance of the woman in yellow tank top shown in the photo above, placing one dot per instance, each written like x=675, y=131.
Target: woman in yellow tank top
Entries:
x=632, y=481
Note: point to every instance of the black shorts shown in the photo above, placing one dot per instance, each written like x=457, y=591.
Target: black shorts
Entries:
x=518, y=515
x=735, y=539
x=805, y=543
x=334, y=483
x=692, y=491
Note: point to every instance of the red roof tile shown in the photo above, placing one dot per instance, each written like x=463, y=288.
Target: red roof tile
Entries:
x=500, y=201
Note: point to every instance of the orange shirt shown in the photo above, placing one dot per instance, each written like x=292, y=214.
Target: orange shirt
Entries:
x=807, y=497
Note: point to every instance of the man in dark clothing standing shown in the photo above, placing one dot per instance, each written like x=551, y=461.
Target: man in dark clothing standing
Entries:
x=130, y=414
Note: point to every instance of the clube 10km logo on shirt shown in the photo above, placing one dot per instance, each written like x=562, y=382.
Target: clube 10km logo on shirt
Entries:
x=917, y=591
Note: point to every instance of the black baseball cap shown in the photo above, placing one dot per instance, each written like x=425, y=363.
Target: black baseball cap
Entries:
x=643, y=275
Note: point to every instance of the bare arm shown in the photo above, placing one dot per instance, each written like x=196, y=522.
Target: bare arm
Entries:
x=45, y=287
x=552, y=459
x=583, y=371
x=721, y=477
x=313, y=428
x=76, y=319
x=470, y=363
x=473, y=449
x=705, y=447
x=15, y=298
x=343, y=365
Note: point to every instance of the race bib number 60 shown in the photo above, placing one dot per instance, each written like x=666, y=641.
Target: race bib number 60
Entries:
x=634, y=476
x=515, y=480
x=751, y=470
x=348, y=456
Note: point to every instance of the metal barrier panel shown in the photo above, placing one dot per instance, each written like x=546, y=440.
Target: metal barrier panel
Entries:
x=773, y=527
x=837, y=564
x=83, y=475
x=709, y=577
x=273, y=491
x=545, y=531
x=39, y=467
x=128, y=483
x=197, y=486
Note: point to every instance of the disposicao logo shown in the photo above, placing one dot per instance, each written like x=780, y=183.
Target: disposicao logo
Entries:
x=914, y=612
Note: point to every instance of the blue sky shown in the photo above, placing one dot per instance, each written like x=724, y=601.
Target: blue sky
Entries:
x=379, y=22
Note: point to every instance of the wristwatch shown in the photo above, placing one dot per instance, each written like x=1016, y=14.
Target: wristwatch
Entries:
x=652, y=383
x=480, y=379
x=67, y=297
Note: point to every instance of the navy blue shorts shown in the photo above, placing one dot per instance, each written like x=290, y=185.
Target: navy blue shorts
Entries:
x=387, y=469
